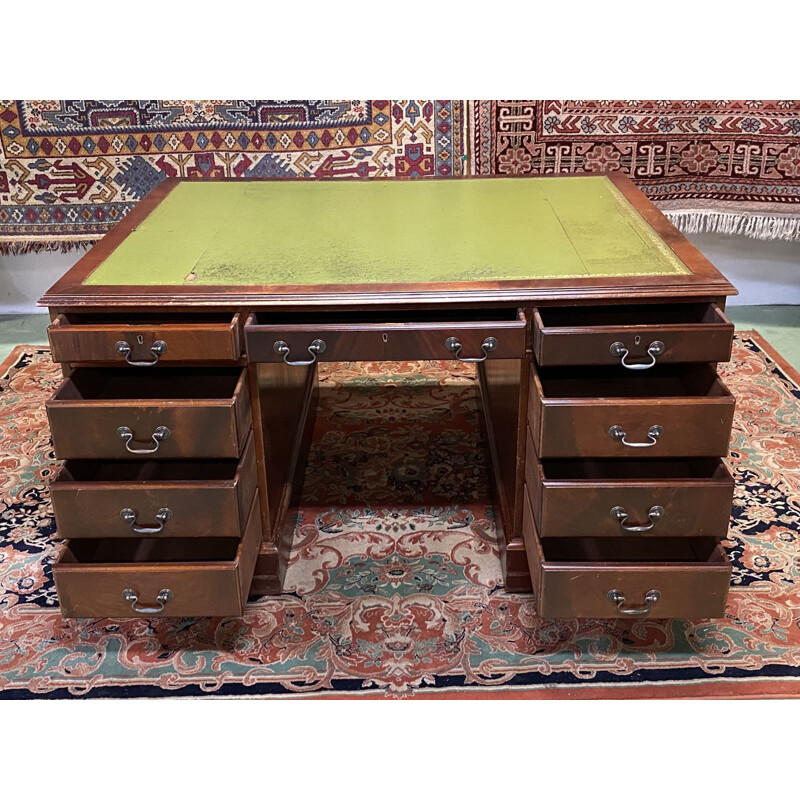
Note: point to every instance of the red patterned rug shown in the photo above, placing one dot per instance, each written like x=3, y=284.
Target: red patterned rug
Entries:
x=70, y=169
x=393, y=590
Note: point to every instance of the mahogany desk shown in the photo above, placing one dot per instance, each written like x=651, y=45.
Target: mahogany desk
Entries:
x=190, y=335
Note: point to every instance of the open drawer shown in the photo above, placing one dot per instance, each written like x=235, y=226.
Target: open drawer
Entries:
x=145, y=340
x=685, y=578
x=629, y=497
x=637, y=337
x=593, y=412
x=148, y=498
x=392, y=335
x=158, y=577
x=193, y=412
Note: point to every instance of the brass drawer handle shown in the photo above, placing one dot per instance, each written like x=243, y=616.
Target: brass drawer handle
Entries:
x=315, y=348
x=163, y=597
x=159, y=435
x=158, y=349
x=618, y=433
x=619, y=350
x=616, y=596
x=129, y=515
x=454, y=346
x=621, y=515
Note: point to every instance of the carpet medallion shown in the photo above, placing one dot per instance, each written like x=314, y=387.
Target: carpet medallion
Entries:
x=394, y=585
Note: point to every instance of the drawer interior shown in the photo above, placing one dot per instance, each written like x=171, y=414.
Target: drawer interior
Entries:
x=387, y=316
x=671, y=380
x=148, y=319
x=634, y=469
x=140, y=551
x=630, y=549
x=199, y=383
x=98, y=471
x=636, y=315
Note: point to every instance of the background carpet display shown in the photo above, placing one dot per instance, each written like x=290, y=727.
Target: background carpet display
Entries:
x=394, y=585
x=70, y=169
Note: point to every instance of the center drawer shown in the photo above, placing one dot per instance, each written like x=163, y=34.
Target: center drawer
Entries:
x=146, y=498
x=596, y=412
x=158, y=577
x=386, y=336
x=145, y=340
x=168, y=413
x=684, y=578
x=629, y=497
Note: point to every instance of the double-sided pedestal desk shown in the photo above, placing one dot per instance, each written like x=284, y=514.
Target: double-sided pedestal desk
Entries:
x=190, y=335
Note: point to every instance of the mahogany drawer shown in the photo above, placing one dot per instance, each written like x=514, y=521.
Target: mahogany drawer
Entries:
x=158, y=577
x=638, y=336
x=597, y=412
x=145, y=339
x=146, y=498
x=102, y=413
x=684, y=578
x=629, y=497
x=386, y=335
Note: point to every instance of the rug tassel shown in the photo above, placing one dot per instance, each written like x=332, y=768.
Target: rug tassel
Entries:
x=754, y=226
x=22, y=248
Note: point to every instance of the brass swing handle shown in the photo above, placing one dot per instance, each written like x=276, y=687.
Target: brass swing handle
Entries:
x=621, y=515
x=619, y=350
x=454, y=346
x=616, y=596
x=316, y=348
x=163, y=597
x=159, y=435
x=618, y=433
x=129, y=515
x=158, y=349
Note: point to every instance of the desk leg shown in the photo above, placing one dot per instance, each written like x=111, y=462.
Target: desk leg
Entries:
x=284, y=407
x=504, y=392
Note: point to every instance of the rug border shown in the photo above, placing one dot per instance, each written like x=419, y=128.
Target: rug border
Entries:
x=791, y=371
x=8, y=361
x=718, y=688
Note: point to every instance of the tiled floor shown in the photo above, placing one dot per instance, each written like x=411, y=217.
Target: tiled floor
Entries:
x=779, y=325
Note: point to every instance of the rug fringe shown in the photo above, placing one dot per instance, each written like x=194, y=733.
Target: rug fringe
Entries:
x=21, y=248
x=766, y=227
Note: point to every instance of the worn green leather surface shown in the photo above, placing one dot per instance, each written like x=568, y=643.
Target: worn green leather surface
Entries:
x=350, y=232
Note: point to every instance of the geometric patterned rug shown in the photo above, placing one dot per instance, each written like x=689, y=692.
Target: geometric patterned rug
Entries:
x=71, y=169
x=395, y=591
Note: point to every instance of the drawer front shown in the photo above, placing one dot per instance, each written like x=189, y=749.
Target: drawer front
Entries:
x=607, y=505
x=153, y=498
x=183, y=586
x=637, y=338
x=184, y=427
x=387, y=341
x=95, y=339
x=623, y=427
x=627, y=590
x=690, y=428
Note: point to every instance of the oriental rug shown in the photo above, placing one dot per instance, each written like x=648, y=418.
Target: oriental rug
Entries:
x=393, y=591
x=71, y=169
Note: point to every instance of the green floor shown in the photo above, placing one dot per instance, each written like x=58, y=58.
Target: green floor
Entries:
x=779, y=325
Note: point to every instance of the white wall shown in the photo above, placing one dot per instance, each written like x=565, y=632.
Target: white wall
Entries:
x=24, y=279
x=766, y=273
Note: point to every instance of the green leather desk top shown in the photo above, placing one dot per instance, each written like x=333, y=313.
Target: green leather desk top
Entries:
x=360, y=232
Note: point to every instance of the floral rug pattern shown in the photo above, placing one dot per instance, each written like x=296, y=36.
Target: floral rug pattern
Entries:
x=391, y=590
